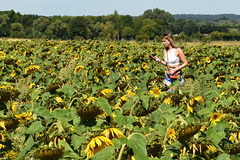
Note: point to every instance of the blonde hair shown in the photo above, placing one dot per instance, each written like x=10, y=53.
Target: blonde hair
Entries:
x=169, y=37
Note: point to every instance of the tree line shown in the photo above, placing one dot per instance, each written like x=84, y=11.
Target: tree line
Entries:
x=208, y=17
x=148, y=26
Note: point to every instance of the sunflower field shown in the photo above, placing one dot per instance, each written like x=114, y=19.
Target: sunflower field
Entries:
x=106, y=100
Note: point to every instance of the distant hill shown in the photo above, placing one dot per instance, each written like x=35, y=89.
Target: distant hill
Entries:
x=207, y=17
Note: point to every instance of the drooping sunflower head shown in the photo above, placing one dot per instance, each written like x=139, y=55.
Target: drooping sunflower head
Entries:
x=96, y=144
x=192, y=103
x=172, y=133
x=105, y=93
x=112, y=133
x=32, y=69
x=122, y=100
x=78, y=69
x=131, y=92
x=23, y=117
x=168, y=100
x=90, y=100
x=188, y=131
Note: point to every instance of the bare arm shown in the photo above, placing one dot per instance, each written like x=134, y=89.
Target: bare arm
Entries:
x=159, y=60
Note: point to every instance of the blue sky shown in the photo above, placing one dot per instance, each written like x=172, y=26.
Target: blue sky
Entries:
x=124, y=7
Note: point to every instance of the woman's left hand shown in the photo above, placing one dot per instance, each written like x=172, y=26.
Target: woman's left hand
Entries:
x=171, y=71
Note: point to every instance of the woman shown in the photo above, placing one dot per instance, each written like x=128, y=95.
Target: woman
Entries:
x=172, y=56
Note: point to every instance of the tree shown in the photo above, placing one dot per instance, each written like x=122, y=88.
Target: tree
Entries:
x=115, y=19
x=161, y=26
x=149, y=28
x=97, y=30
x=108, y=31
x=178, y=25
x=158, y=14
x=138, y=24
x=190, y=27
x=181, y=36
x=128, y=32
x=14, y=17
x=126, y=20
x=215, y=35
x=17, y=30
x=77, y=27
x=57, y=29
x=4, y=25
x=39, y=26
x=226, y=23
x=27, y=20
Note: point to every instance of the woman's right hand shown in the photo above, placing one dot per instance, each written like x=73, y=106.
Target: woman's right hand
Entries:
x=156, y=59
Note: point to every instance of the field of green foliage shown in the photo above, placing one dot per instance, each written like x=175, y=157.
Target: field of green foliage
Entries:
x=105, y=100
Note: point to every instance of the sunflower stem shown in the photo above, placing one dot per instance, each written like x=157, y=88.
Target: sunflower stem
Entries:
x=235, y=94
x=121, y=152
x=165, y=137
x=123, y=146
x=72, y=102
x=132, y=109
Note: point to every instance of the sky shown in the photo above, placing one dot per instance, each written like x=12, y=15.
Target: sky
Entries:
x=123, y=7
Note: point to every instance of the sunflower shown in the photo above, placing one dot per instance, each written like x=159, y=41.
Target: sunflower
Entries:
x=89, y=100
x=51, y=72
x=155, y=91
x=145, y=66
x=23, y=117
x=32, y=69
x=168, y=101
x=219, y=84
x=111, y=46
x=76, y=56
x=2, y=54
x=99, y=71
x=112, y=133
x=188, y=131
x=105, y=93
x=199, y=147
x=208, y=60
x=58, y=99
x=96, y=79
x=131, y=93
x=14, y=107
x=96, y=144
x=192, y=102
x=125, y=77
x=31, y=85
x=216, y=117
x=12, y=74
x=122, y=100
x=78, y=69
x=2, y=138
x=107, y=72
x=2, y=146
x=125, y=68
x=172, y=133
x=2, y=125
x=11, y=155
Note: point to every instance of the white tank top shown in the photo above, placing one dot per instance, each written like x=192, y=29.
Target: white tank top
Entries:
x=172, y=59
